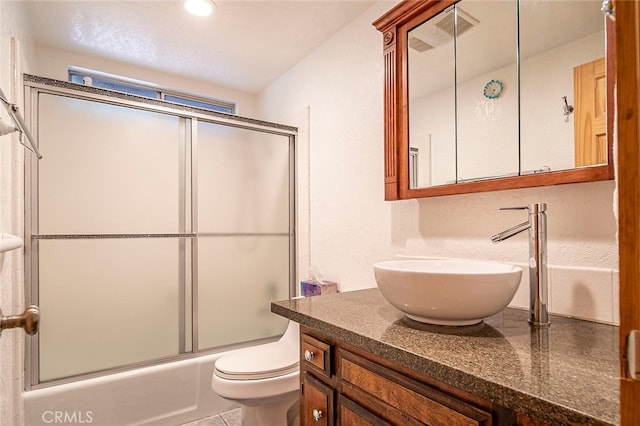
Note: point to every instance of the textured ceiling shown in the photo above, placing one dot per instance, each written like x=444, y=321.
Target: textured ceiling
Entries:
x=246, y=45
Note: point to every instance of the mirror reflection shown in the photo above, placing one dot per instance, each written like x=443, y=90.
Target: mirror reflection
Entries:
x=562, y=50
x=432, y=106
x=478, y=111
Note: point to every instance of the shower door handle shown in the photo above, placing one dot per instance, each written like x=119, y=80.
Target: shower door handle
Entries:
x=28, y=320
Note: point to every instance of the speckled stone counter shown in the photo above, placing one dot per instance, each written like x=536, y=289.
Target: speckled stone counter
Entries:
x=566, y=374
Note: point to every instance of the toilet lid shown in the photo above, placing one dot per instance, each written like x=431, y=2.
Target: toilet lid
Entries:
x=258, y=362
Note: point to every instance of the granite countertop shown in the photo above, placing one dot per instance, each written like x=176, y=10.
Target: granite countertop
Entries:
x=566, y=374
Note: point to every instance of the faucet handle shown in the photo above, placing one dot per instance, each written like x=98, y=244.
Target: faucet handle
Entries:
x=515, y=208
x=533, y=208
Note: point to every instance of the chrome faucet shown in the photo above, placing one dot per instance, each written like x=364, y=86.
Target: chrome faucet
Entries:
x=538, y=284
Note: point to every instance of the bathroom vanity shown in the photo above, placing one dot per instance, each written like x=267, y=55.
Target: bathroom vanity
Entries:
x=363, y=362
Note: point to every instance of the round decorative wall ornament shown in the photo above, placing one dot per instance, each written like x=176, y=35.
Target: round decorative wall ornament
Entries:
x=493, y=89
x=388, y=37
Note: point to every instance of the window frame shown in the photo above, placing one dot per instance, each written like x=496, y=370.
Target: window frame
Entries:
x=138, y=87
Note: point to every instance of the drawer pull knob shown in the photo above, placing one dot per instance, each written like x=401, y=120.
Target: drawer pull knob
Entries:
x=317, y=414
x=308, y=355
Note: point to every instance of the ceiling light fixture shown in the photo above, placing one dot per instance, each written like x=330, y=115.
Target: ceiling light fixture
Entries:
x=200, y=7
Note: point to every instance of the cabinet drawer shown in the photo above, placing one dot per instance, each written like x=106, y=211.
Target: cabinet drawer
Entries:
x=419, y=401
x=317, y=354
x=352, y=414
x=316, y=404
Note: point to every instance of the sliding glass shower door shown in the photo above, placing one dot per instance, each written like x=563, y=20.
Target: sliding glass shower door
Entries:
x=153, y=233
x=243, y=233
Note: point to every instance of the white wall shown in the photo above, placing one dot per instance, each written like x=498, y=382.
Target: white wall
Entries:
x=352, y=226
x=15, y=57
x=342, y=84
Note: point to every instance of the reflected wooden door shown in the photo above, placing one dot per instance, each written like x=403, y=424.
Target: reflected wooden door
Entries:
x=590, y=121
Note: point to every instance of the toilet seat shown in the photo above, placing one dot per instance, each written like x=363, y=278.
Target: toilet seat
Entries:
x=258, y=362
x=263, y=379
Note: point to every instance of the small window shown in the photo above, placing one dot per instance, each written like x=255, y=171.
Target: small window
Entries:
x=116, y=86
x=147, y=90
x=199, y=104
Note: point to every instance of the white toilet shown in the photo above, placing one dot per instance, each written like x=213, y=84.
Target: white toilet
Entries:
x=264, y=379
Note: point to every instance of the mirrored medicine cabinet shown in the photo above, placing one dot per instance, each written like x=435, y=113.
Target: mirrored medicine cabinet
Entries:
x=484, y=95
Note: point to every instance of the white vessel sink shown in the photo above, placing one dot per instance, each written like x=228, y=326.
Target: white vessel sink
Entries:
x=447, y=291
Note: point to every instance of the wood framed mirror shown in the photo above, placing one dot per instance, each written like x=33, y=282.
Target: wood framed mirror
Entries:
x=485, y=95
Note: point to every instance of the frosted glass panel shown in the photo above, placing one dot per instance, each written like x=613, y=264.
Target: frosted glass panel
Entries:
x=243, y=180
x=111, y=302
x=238, y=278
x=107, y=303
x=109, y=169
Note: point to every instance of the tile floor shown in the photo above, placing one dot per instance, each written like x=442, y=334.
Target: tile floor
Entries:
x=233, y=418
x=228, y=418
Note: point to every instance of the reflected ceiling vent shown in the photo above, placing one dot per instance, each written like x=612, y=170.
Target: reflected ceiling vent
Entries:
x=420, y=45
x=440, y=30
x=465, y=22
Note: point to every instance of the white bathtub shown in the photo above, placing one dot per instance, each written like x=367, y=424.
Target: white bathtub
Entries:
x=167, y=394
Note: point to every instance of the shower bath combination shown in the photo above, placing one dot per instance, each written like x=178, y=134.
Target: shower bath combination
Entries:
x=180, y=220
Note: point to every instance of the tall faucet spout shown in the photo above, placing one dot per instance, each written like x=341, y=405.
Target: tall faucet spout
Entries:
x=538, y=291
x=508, y=233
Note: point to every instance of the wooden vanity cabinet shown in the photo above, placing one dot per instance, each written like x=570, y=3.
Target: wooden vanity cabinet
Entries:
x=318, y=380
x=343, y=385
x=317, y=406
